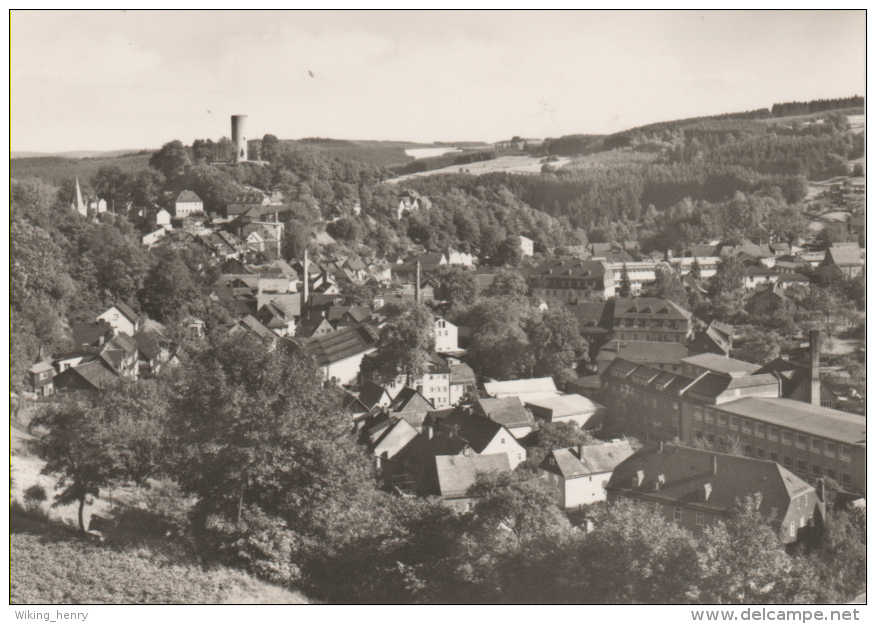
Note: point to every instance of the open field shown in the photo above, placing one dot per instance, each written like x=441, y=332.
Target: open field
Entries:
x=509, y=164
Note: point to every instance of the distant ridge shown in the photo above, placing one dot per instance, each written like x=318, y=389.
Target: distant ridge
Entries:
x=75, y=154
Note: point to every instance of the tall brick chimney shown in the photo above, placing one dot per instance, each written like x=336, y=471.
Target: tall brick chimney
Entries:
x=814, y=366
x=417, y=284
x=306, y=291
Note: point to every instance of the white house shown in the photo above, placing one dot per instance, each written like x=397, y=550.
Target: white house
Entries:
x=446, y=336
x=570, y=408
x=121, y=318
x=162, y=219
x=527, y=245
x=187, y=203
x=147, y=240
x=580, y=473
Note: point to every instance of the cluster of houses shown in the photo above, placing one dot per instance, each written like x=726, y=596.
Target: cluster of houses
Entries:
x=716, y=429
x=118, y=344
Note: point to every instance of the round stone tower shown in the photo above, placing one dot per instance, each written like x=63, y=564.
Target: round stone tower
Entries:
x=238, y=138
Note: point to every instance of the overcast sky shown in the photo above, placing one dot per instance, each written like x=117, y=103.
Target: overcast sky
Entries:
x=117, y=80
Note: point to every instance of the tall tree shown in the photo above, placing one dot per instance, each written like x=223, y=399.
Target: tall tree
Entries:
x=405, y=343
x=110, y=183
x=626, y=287
x=171, y=160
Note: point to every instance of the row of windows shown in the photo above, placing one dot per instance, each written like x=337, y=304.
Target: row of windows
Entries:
x=774, y=434
x=650, y=337
x=678, y=516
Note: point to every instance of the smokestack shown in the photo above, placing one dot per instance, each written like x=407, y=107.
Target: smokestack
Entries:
x=238, y=138
x=417, y=284
x=814, y=366
x=714, y=464
x=306, y=292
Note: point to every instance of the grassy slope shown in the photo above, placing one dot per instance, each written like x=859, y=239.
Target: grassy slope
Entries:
x=49, y=564
x=54, y=169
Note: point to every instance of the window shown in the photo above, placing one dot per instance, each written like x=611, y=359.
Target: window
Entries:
x=698, y=412
x=845, y=479
x=773, y=434
x=845, y=453
x=830, y=473
x=801, y=466
x=115, y=317
x=722, y=420
x=787, y=438
x=801, y=441
x=710, y=416
x=774, y=456
x=722, y=441
x=748, y=450
x=761, y=454
x=759, y=430
x=815, y=470
x=815, y=445
x=701, y=519
x=734, y=423
x=786, y=461
x=746, y=426
x=710, y=437
x=829, y=449
x=698, y=434
x=678, y=514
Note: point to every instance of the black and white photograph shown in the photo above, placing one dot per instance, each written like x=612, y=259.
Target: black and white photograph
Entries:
x=439, y=307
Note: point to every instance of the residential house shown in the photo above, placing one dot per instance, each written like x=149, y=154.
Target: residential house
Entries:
x=187, y=202
x=339, y=354
x=450, y=477
x=86, y=378
x=460, y=430
x=410, y=405
x=640, y=273
x=90, y=335
x=152, y=238
x=563, y=280
x=42, y=375
x=696, y=489
x=846, y=257
x=717, y=338
x=651, y=320
x=581, y=473
x=122, y=318
x=508, y=412
x=149, y=352
x=567, y=408
x=757, y=276
x=446, y=336
x=527, y=246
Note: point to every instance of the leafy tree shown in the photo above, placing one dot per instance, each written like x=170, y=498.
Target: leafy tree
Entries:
x=145, y=188
x=508, y=284
x=633, y=556
x=404, y=346
x=74, y=447
x=270, y=147
x=357, y=294
x=168, y=288
x=34, y=202
x=668, y=286
x=695, y=270
x=109, y=183
x=255, y=428
x=555, y=342
x=171, y=160
x=743, y=561
x=509, y=252
x=758, y=346
x=626, y=287
x=458, y=287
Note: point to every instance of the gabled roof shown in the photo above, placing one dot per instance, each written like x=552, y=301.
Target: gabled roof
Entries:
x=712, y=385
x=358, y=314
x=397, y=435
x=571, y=267
x=96, y=373
x=627, y=307
x=87, y=334
x=508, y=411
x=644, y=352
x=843, y=256
x=461, y=373
x=409, y=400
x=476, y=430
x=593, y=314
x=814, y=419
x=457, y=473
x=149, y=344
x=188, y=196
x=563, y=405
x=720, y=364
x=342, y=344
x=587, y=460
x=125, y=309
x=41, y=367
x=686, y=472
x=373, y=394
x=521, y=387
x=251, y=324
x=123, y=342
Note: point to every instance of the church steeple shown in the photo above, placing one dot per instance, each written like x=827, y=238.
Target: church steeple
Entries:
x=79, y=205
